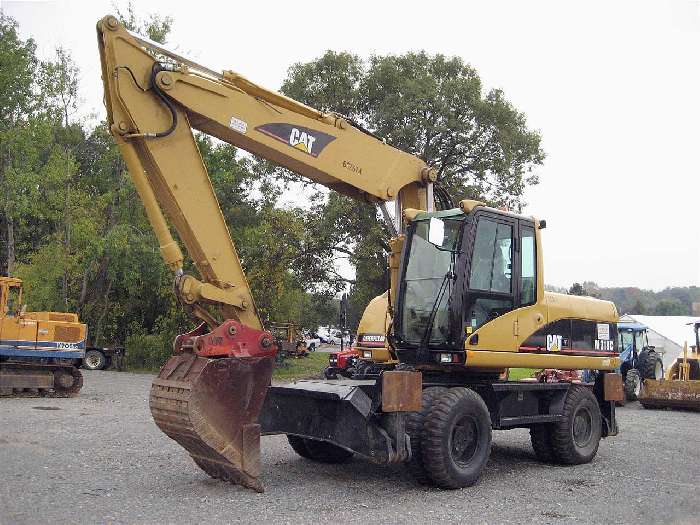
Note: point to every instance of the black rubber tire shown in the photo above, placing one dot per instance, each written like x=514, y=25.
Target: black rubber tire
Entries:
x=94, y=360
x=541, y=439
x=581, y=415
x=415, y=422
x=320, y=451
x=633, y=384
x=457, y=410
x=647, y=363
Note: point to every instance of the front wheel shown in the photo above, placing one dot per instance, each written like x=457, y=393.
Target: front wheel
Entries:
x=457, y=439
x=633, y=385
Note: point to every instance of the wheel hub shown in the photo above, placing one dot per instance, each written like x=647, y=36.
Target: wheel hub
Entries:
x=464, y=440
x=93, y=361
x=583, y=427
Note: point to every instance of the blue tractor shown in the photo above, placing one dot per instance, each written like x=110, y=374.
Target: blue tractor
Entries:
x=638, y=360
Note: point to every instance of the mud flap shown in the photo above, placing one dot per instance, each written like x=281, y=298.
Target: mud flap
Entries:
x=211, y=407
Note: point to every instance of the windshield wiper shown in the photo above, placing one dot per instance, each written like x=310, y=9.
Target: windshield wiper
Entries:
x=422, y=352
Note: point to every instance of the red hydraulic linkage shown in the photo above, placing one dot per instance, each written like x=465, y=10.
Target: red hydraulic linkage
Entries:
x=230, y=339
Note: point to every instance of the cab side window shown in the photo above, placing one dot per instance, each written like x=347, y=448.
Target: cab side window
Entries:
x=490, y=293
x=491, y=268
x=528, y=266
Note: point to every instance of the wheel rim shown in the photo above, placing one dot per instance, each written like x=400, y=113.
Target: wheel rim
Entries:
x=658, y=371
x=464, y=440
x=92, y=360
x=583, y=427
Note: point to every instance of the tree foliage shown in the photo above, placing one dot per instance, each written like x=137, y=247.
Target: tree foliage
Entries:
x=72, y=225
x=432, y=106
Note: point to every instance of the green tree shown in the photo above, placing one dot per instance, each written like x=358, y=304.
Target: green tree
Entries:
x=154, y=26
x=670, y=307
x=434, y=107
x=638, y=308
x=577, y=289
x=431, y=106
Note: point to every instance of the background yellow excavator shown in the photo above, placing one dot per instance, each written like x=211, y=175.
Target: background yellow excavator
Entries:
x=467, y=294
x=40, y=352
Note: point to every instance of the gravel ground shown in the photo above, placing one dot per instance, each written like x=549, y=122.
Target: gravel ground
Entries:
x=100, y=459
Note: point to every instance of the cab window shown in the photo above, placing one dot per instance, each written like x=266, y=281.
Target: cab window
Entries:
x=492, y=257
x=528, y=265
x=13, y=300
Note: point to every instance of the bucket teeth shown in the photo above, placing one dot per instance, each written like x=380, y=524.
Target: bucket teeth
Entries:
x=210, y=407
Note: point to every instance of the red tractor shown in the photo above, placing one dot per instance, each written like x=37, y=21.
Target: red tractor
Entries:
x=342, y=363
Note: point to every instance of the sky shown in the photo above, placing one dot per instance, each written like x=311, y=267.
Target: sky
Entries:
x=612, y=86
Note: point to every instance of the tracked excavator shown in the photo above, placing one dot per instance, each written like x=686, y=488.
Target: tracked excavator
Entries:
x=40, y=352
x=467, y=294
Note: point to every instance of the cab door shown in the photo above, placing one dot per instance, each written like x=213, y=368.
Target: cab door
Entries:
x=532, y=315
x=491, y=291
x=11, y=331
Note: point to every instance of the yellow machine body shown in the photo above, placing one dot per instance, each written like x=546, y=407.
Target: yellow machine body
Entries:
x=372, y=331
x=37, y=346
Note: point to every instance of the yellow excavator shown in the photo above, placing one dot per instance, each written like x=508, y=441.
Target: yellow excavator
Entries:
x=467, y=294
x=40, y=352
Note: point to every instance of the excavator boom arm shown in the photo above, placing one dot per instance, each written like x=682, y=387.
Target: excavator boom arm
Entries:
x=208, y=396
x=155, y=99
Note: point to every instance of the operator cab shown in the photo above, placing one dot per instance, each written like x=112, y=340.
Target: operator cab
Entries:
x=461, y=270
x=10, y=296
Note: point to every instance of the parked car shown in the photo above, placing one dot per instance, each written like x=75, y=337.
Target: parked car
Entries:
x=312, y=340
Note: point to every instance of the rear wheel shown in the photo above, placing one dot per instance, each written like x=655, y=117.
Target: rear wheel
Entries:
x=414, y=427
x=320, y=451
x=575, y=439
x=457, y=440
x=650, y=365
x=94, y=360
x=633, y=385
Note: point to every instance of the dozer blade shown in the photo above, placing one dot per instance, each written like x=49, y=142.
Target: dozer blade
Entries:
x=671, y=394
x=211, y=407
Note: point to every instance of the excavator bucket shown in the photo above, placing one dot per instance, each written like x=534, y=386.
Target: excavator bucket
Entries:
x=211, y=408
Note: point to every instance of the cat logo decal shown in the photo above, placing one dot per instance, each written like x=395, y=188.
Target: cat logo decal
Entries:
x=309, y=141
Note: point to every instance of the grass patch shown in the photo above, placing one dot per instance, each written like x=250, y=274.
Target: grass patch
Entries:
x=515, y=374
x=302, y=368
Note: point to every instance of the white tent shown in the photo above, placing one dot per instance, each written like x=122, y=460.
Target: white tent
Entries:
x=667, y=333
